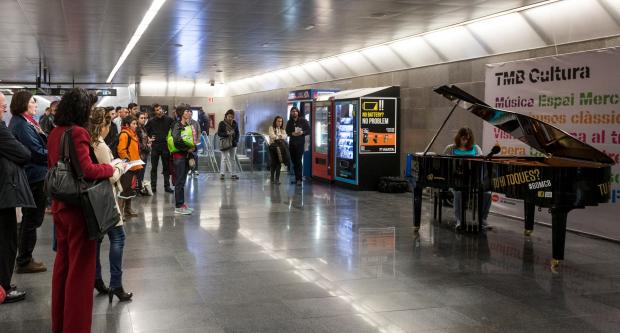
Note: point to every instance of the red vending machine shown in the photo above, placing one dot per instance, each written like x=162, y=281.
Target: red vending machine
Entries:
x=323, y=136
x=304, y=101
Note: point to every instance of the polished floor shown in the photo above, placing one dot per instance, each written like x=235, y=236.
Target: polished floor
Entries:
x=318, y=258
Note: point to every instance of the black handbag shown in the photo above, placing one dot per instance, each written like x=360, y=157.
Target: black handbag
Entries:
x=60, y=182
x=95, y=197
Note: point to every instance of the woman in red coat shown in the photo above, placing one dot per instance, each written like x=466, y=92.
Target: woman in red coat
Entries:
x=74, y=266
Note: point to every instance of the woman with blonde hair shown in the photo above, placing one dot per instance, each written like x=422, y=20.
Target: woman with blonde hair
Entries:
x=98, y=128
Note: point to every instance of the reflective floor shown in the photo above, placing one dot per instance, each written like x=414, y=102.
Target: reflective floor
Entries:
x=258, y=258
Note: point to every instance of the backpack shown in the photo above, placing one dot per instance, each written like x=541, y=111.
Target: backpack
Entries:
x=392, y=185
x=187, y=135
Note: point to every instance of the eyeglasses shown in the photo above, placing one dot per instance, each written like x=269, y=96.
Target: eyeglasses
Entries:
x=4, y=106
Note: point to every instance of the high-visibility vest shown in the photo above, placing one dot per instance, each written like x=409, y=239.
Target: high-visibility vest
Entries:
x=187, y=135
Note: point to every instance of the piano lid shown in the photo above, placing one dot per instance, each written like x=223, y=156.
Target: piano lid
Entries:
x=537, y=134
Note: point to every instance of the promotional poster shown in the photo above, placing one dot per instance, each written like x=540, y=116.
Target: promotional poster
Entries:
x=578, y=93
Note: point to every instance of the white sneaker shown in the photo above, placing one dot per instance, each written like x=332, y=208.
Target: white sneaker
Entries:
x=183, y=211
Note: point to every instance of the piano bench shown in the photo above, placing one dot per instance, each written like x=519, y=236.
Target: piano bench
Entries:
x=439, y=196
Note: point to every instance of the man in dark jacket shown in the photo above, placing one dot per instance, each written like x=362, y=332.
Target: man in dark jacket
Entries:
x=157, y=129
x=203, y=120
x=15, y=192
x=47, y=120
x=297, y=128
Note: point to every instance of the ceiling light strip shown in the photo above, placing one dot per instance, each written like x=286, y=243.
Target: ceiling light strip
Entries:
x=144, y=24
x=488, y=17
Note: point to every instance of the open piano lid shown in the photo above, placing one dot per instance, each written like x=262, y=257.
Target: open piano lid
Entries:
x=537, y=134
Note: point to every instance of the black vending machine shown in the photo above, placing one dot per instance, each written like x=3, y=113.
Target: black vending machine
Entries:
x=367, y=136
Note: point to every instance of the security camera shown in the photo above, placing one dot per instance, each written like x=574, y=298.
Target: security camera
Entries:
x=212, y=82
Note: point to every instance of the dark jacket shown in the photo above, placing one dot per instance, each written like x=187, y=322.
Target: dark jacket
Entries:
x=14, y=188
x=203, y=120
x=24, y=132
x=222, y=133
x=47, y=123
x=290, y=128
x=159, y=128
x=112, y=140
x=177, y=128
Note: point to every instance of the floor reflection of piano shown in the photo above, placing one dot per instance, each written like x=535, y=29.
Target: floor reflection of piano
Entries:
x=572, y=174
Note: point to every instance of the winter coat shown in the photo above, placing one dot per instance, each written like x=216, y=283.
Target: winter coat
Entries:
x=24, y=132
x=14, y=188
x=128, y=147
x=222, y=131
x=302, y=123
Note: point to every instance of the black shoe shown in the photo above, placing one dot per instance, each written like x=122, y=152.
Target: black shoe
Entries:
x=168, y=190
x=102, y=289
x=459, y=228
x=15, y=296
x=121, y=294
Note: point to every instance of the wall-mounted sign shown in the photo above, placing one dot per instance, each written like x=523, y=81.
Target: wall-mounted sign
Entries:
x=98, y=92
x=378, y=126
x=60, y=91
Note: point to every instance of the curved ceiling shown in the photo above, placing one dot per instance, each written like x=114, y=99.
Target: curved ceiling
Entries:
x=223, y=40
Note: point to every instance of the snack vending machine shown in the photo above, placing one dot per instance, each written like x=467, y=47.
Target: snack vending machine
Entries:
x=367, y=138
x=304, y=101
x=323, y=136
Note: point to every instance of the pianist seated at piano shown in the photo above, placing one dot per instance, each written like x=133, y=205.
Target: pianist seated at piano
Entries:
x=464, y=146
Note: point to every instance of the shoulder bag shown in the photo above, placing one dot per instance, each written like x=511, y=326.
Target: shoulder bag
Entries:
x=65, y=182
x=227, y=141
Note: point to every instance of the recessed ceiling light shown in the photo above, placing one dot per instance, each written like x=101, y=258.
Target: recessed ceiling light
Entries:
x=265, y=44
x=310, y=27
x=178, y=45
x=144, y=24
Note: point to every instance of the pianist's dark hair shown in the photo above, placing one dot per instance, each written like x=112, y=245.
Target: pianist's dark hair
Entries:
x=464, y=131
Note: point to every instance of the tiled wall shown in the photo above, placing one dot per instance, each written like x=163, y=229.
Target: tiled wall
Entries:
x=422, y=110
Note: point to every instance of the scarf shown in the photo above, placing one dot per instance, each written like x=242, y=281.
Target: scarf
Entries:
x=30, y=119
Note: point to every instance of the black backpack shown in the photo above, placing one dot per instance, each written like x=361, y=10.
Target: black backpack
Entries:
x=393, y=185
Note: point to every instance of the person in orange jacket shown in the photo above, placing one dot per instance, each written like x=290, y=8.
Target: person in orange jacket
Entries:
x=129, y=149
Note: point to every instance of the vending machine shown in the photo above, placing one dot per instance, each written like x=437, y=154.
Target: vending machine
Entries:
x=304, y=101
x=323, y=136
x=367, y=136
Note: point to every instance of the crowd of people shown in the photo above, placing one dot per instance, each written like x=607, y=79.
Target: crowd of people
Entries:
x=108, y=143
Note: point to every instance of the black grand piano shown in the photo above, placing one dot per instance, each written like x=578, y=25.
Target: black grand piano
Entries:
x=570, y=174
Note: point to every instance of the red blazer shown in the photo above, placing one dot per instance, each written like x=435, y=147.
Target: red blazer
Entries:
x=81, y=141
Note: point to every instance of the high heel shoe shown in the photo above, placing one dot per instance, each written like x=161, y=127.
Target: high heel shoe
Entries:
x=101, y=287
x=121, y=294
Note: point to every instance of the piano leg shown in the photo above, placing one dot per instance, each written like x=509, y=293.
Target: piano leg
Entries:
x=417, y=208
x=436, y=198
x=530, y=209
x=464, y=205
x=558, y=229
x=480, y=207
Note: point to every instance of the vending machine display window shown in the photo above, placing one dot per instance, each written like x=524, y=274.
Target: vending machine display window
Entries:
x=346, y=140
x=321, y=130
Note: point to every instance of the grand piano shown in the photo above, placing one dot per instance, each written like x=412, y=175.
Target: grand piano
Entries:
x=569, y=174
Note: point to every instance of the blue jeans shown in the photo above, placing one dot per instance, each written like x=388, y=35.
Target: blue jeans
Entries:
x=458, y=203
x=117, y=243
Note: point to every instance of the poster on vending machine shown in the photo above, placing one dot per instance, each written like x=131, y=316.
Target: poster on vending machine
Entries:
x=378, y=126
